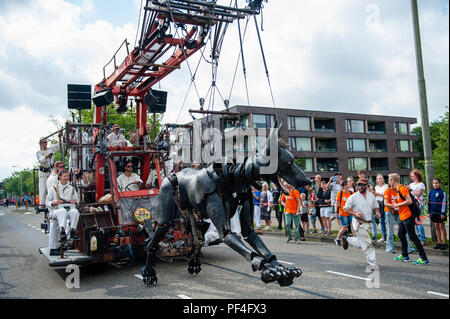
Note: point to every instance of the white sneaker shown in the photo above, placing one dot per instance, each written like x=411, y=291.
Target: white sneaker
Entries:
x=380, y=240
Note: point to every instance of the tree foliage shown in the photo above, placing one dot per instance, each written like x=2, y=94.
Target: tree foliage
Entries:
x=441, y=152
x=127, y=121
x=20, y=183
x=439, y=146
x=418, y=145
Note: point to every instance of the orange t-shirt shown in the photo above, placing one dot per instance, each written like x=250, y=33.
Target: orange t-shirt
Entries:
x=403, y=211
x=291, y=206
x=342, y=202
x=390, y=195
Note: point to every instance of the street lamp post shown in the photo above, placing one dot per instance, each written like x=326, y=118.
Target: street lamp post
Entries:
x=429, y=168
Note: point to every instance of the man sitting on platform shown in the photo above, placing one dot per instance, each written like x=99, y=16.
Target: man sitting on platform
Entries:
x=128, y=178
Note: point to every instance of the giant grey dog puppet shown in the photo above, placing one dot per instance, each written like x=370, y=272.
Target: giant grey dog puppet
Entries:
x=216, y=194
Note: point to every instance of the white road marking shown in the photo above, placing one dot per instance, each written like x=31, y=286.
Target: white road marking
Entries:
x=1, y=214
x=437, y=293
x=183, y=296
x=346, y=275
x=27, y=213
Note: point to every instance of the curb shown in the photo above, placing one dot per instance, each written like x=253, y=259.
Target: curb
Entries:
x=330, y=239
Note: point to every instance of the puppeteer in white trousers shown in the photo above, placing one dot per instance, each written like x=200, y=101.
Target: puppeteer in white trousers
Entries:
x=59, y=217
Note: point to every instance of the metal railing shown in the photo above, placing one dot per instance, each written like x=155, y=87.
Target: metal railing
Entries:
x=325, y=130
x=376, y=132
x=326, y=149
x=113, y=59
x=377, y=150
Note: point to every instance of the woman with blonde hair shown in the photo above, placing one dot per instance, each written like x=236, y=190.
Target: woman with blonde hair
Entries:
x=417, y=188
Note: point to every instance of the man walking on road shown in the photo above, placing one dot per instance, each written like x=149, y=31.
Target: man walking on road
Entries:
x=360, y=205
x=292, y=211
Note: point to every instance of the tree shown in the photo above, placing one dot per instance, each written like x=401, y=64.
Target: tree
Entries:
x=418, y=145
x=127, y=121
x=19, y=183
x=439, y=146
x=441, y=152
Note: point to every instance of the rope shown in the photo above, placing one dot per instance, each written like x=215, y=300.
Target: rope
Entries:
x=192, y=82
x=264, y=59
x=243, y=63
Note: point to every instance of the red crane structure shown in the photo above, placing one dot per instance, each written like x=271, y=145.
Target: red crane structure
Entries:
x=171, y=32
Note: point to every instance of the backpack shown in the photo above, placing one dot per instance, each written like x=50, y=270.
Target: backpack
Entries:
x=414, y=207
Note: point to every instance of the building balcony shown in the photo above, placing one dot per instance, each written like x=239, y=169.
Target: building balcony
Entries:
x=377, y=146
x=379, y=164
x=377, y=128
x=327, y=165
x=326, y=145
x=324, y=125
x=324, y=130
x=376, y=132
x=380, y=168
x=321, y=149
x=377, y=150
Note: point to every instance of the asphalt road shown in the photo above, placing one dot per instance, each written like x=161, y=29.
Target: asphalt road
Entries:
x=329, y=272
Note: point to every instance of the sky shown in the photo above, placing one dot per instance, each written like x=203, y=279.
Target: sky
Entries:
x=353, y=56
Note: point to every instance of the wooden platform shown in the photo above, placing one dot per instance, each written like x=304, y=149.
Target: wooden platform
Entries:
x=72, y=256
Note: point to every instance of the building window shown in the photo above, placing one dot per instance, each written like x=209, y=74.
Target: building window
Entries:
x=296, y=123
x=354, y=126
x=401, y=128
x=357, y=163
x=263, y=121
x=326, y=145
x=244, y=121
x=324, y=125
x=379, y=164
x=306, y=164
x=404, y=163
x=402, y=145
x=374, y=127
x=377, y=146
x=356, y=145
x=300, y=144
x=327, y=165
x=230, y=125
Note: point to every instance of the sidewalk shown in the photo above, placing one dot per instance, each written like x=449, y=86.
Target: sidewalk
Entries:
x=335, y=227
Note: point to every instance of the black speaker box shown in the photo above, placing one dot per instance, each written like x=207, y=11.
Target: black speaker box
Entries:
x=103, y=98
x=156, y=101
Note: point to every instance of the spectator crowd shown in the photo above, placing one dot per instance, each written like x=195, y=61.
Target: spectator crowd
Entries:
x=361, y=209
